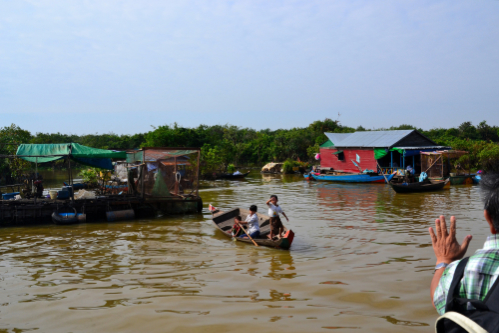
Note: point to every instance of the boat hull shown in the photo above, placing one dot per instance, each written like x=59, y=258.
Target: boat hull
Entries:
x=354, y=178
x=229, y=176
x=461, y=180
x=224, y=221
x=419, y=187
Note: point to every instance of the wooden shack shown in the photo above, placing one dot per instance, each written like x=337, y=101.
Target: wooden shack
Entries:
x=359, y=151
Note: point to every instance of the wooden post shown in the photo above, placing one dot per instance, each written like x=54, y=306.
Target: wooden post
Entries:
x=199, y=172
x=144, y=168
x=391, y=160
x=175, y=189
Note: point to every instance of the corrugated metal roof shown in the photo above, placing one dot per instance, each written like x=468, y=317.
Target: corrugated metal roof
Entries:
x=373, y=138
x=425, y=147
x=336, y=138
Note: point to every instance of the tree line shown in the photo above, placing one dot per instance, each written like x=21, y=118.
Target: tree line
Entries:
x=222, y=145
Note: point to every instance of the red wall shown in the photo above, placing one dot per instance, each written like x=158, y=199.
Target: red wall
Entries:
x=367, y=161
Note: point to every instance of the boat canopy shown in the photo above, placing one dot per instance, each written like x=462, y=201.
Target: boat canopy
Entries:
x=42, y=153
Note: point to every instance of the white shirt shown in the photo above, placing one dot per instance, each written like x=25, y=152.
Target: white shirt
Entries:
x=274, y=210
x=252, y=223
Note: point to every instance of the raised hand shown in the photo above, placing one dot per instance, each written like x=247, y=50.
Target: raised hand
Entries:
x=445, y=245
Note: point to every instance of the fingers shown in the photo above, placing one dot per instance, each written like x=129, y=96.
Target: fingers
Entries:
x=438, y=229
x=432, y=235
x=443, y=226
x=453, y=227
x=466, y=243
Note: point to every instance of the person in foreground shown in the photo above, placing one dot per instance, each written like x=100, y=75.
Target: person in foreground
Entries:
x=482, y=269
x=253, y=229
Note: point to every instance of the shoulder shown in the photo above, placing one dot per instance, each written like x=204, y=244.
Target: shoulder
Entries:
x=484, y=262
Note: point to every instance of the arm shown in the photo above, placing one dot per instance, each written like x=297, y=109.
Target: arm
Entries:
x=446, y=247
x=268, y=202
x=285, y=216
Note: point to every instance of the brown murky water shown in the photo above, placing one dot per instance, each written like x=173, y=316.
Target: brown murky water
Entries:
x=361, y=260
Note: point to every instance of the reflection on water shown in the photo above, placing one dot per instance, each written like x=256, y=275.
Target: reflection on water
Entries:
x=361, y=260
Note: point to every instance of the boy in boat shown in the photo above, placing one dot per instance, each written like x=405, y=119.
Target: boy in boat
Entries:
x=253, y=229
x=276, y=227
x=236, y=229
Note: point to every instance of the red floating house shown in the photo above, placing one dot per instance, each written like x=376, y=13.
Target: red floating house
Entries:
x=353, y=152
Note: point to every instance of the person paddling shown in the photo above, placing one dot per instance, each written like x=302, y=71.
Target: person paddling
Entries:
x=276, y=227
x=253, y=229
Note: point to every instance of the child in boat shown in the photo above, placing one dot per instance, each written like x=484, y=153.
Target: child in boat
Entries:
x=236, y=229
x=276, y=227
x=253, y=229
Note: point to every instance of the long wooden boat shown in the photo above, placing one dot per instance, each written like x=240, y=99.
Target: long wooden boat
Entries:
x=354, y=177
x=426, y=186
x=224, y=221
x=232, y=176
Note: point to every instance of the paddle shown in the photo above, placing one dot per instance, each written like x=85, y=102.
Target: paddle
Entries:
x=240, y=226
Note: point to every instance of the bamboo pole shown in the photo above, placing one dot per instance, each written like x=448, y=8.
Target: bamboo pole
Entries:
x=439, y=157
x=386, y=179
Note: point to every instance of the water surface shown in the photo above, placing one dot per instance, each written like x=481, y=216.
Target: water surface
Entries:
x=361, y=261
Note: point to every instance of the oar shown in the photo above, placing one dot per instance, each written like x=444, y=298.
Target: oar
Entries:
x=240, y=226
x=386, y=179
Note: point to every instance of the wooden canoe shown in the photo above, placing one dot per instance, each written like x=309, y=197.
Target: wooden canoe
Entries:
x=224, y=221
x=427, y=186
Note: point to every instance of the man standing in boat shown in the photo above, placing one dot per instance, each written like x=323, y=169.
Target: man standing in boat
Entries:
x=253, y=229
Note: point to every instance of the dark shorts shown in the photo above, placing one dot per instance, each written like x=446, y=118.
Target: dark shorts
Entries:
x=275, y=225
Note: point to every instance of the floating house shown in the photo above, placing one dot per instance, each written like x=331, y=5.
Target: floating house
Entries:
x=159, y=181
x=359, y=151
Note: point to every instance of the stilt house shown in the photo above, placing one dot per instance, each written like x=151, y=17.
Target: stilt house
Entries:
x=392, y=150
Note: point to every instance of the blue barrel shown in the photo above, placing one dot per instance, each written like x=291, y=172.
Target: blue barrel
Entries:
x=120, y=215
x=69, y=189
x=62, y=195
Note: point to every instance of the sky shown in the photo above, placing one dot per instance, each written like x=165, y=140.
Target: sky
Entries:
x=123, y=66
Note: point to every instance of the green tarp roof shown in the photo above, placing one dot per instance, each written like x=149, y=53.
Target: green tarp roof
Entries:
x=327, y=144
x=42, y=153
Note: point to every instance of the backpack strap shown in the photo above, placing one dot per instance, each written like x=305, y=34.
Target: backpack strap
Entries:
x=463, y=321
x=492, y=298
x=453, y=291
x=454, y=302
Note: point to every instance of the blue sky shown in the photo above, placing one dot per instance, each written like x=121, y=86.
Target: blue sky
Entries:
x=124, y=66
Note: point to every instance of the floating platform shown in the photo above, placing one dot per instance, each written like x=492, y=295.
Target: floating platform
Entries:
x=31, y=211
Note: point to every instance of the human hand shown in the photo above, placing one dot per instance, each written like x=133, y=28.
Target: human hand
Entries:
x=445, y=245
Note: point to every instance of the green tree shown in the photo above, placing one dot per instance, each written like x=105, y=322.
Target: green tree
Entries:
x=10, y=137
